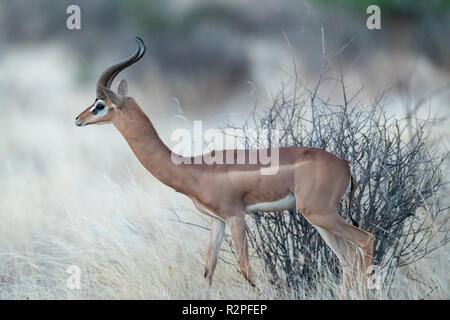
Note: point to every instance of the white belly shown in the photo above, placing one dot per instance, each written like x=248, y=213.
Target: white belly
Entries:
x=285, y=203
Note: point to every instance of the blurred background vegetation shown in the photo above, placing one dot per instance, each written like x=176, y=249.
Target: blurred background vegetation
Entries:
x=227, y=43
x=221, y=56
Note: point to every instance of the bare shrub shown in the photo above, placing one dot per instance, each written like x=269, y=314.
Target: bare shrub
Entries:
x=399, y=172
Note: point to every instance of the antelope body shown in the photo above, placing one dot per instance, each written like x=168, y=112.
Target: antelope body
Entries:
x=310, y=180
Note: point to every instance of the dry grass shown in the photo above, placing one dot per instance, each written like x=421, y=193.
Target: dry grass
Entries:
x=76, y=196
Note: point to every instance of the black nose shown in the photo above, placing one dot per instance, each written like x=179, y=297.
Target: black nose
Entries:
x=77, y=118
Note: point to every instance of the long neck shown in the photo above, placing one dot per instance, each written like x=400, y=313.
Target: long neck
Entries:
x=153, y=154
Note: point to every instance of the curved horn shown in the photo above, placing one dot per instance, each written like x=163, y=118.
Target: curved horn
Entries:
x=107, y=77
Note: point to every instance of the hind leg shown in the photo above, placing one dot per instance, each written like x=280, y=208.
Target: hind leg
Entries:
x=346, y=254
x=363, y=239
x=335, y=225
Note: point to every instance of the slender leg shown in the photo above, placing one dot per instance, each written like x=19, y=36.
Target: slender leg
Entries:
x=335, y=225
x=363, y=239
x=215, y=242
x=346, y=254
x=237, y=228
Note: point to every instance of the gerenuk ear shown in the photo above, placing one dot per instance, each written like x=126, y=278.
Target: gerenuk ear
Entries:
x=116, y=99
x=122, y=89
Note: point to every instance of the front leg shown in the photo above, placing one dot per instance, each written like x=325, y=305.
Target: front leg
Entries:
x=215, y=242
x=238, y=233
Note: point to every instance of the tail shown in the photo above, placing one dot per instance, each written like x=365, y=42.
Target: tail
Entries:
x=353, y=186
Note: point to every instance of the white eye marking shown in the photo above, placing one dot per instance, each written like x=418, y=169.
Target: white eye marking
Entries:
x=95, y=105
x=102, y=112
x=99, y=109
